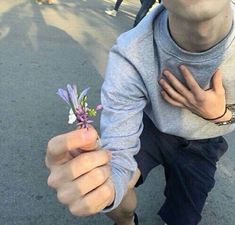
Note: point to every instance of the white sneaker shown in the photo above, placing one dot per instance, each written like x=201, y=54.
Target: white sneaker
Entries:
x=110, y=12
x=38, y=2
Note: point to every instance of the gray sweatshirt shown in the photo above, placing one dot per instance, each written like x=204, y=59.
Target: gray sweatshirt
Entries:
x=131, y=86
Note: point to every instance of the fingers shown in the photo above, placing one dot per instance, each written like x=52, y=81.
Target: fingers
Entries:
x=204, y=103
x=83, y=185
x=58, y=146
x=170, y=100
x=174, y=92
x=171, y=95
x=94, y=201
x=190, y=81
x=178, y=94
x=78, y=166
x=217, y=83
x=175, y=83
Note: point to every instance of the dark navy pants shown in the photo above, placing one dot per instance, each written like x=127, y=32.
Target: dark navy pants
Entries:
x=190, y=167
x=118, y=4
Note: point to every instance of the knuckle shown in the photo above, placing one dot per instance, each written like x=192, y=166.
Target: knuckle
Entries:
x=50, y=145
x=53, y=179
x=86, y=160
x=165, y=86
x=106, y=191
x=100, y=175
x=185, y=102
x=88, y=209
x=201, y=98
x=74, y=210
x=192, y=86
x=46, y=161
x=62, y=195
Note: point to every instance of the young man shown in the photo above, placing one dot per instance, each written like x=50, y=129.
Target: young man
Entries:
x=183, y=120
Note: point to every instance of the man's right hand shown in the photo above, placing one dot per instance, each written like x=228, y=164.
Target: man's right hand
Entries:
x=79, y=172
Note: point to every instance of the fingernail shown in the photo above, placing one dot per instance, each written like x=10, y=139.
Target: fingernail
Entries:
x=165, y=72
x=181, y=66
x=160, y=81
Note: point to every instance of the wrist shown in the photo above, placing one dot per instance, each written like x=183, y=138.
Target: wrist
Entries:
x=217, y=119
x=226, y=117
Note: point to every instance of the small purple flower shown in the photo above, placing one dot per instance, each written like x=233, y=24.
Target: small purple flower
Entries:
x=99, y=107
x=63, y=94
x=83, y=94
x=79, y=112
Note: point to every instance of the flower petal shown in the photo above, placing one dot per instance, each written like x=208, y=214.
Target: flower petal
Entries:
x=75, y=90
x=72, y=117
x=83, y=94
x=72, y=96
x=63, y=94
x=98, y=107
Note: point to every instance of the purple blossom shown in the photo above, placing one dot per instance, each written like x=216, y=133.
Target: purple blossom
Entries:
x=83, y=94
x=99, y=107
x=73, y=97
x=80, y=112
x=63, y=94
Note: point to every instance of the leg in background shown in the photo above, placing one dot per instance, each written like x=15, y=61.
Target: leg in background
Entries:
x=146, y=6
x=118, y=4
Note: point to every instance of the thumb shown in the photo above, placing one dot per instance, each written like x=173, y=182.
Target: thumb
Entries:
x=85, y=139
x=217, y=83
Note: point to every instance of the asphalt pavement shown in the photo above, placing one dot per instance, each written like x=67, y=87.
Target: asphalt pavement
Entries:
x=42, y=48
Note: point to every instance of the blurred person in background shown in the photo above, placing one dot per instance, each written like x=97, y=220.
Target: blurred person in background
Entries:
x=40, y=2
x=114, y=11
x=146, y=5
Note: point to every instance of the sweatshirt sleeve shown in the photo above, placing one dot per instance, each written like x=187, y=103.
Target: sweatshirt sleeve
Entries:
x=123, y=96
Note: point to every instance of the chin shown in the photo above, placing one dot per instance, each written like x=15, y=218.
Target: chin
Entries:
x=197, y=10
x=200, y=17
x=197, y=16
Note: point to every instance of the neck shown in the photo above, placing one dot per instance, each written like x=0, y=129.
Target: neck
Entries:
x=202, y=35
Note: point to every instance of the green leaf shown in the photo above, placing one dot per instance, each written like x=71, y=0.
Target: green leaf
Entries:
x=91, y=112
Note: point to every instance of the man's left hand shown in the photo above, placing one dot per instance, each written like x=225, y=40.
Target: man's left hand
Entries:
x=208, y=103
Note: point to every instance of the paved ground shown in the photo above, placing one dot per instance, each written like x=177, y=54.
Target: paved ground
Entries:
x=43, y=48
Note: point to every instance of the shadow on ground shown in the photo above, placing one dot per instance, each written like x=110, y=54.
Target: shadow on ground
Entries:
x=42, y=49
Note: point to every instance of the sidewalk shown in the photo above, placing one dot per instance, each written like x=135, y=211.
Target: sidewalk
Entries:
x=44, y=48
